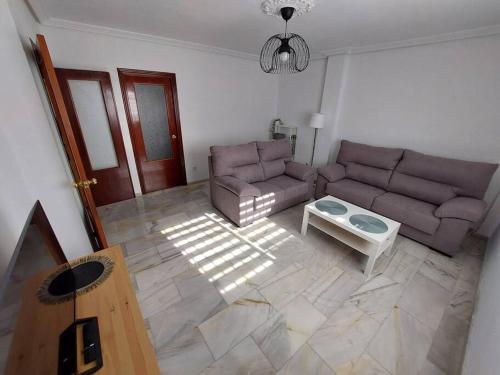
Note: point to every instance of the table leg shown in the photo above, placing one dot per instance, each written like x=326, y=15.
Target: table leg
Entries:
x=369, y=265
x=305, y=222
x=388, y=251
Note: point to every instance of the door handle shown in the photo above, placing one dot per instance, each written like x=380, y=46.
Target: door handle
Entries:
x=85, y=183
x=174, y=136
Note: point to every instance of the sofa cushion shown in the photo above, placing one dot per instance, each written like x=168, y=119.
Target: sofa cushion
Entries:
x=273, y=155
x=413, y=212
x=470, y=209
x=419, y=188
x=249, y=173
x=354, y=192
x=270, y=195
x=237, y=186
x=332, y=172
x=379, y=157
x=466, y=177
x=292, y=187
x=369, y=175
x=241, y=161
x=272, y=150
x=299, y=171
x=273, y=168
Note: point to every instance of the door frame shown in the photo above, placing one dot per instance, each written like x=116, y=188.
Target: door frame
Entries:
x=122, y=74
x=104, y=80
x=53, y=91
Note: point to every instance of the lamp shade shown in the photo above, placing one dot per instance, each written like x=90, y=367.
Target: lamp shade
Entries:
x=317, y=120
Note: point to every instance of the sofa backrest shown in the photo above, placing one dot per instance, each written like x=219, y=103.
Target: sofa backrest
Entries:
x=273, y=156
x=368, y=164
x=241, y=161
x=435, y=179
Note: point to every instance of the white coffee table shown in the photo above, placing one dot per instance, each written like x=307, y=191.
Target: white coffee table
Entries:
x=369, y=233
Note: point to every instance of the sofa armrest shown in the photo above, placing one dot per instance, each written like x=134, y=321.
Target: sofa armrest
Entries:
x=299, y=171
x=332, y=172
x=237, y=186
x=470, y=209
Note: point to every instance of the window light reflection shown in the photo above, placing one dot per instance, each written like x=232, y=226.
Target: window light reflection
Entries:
x=182, y=225
x=247, y=276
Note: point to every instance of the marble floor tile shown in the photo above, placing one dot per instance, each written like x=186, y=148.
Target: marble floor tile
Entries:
x=364, y=365
x=441, y=269
x=354, y=262
x=185, y=280
x=430, y=369
x=227, y=328
x=161, y=272
x=306, y=361
x=344, y=336
x=402, y=343
x=425, y=299
x=412, y=247
x=322, y=283
x=327, y=252
x=244, y=358
x=287, y=271
x=463, y=299
x=186, y=357
x=448, y=345
x=285, y=289
x=176, y=325
x=402, y=266
x=377, y=297
x=192, y=282
x=333, y=296
x=471, y=269
x=143, y=260
x=138, y=244
x=157, y=297
x=282, y=335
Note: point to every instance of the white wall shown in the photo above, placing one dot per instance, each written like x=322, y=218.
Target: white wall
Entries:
x=222, y=99
x=30, y=164
x=482, y=347
x=299, y=96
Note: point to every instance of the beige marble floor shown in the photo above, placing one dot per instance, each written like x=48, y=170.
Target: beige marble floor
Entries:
x=263, y=299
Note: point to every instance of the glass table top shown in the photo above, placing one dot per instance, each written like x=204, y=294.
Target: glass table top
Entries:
x=368, y=223
x=330, y=207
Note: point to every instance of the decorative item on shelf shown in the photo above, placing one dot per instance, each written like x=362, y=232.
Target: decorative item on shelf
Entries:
x=317, y=122
x=280, y=131
x=78, y=277
x=288, y=52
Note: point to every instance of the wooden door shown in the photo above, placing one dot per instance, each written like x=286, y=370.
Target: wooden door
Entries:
x=91, y=108
x=92, y=221
x=153, y=118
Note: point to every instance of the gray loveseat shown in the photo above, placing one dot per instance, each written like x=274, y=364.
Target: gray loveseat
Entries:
x=257, y=179
x=437, y=200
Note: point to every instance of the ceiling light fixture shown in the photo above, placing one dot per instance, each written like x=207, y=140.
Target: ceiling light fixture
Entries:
x=288, y=52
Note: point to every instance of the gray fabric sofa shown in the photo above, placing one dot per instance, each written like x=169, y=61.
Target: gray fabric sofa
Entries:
x=257, y=179
x=437, y=200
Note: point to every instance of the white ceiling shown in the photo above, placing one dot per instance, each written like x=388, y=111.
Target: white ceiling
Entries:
x=241, y=26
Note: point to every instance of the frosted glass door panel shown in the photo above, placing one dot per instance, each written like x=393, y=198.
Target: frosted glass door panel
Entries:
x=93, y=119
x=154, y=121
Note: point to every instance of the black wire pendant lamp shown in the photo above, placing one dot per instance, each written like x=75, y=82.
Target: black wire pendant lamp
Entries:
x=285, y=53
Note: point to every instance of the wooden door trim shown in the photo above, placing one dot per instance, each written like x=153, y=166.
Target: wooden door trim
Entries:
x=104, y=79
x=123, y=74
x=66, y=132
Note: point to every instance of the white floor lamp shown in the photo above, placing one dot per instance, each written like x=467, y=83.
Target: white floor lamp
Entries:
x=317, y=122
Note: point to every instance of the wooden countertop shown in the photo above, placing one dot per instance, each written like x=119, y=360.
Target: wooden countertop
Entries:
x=126, y=348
